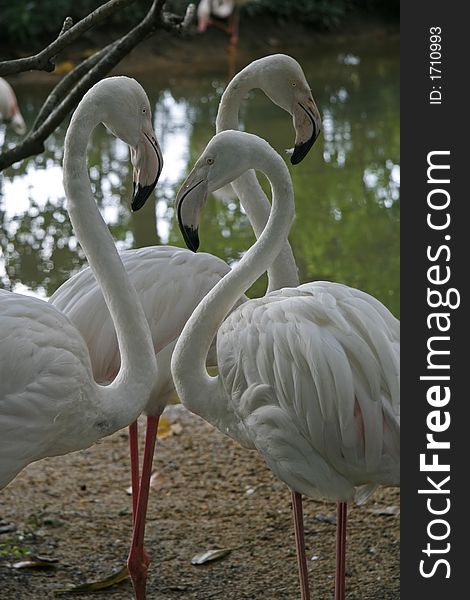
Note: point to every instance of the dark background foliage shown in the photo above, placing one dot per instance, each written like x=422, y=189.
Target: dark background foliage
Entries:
x=31, y=23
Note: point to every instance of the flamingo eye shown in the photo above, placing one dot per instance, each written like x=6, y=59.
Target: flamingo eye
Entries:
x=144, y=110
x=293, y=83
x=209, y=161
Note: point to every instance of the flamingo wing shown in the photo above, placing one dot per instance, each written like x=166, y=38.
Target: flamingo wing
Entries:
x=313, y=372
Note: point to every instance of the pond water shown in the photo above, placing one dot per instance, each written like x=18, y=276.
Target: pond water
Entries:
x=346, y=190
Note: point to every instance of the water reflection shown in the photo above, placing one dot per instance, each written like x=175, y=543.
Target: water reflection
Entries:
x=347, y=190
x=173, y=129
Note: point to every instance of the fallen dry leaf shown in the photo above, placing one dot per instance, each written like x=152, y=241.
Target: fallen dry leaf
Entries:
x=164, y=428
x=101, y=584
x=209, y=556
x=385, y=510
x=176, y=428
x=156, y=482
x=35, y=562
x=326, y=519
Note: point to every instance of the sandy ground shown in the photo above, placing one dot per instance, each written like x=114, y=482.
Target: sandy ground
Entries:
x=209, y=493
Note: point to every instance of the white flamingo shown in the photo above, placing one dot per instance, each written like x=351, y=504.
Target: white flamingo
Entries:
x=9, y=111
x=50, y=403
x=219, y=8
x=172, y=281
x=222, y=9
x=309, y=375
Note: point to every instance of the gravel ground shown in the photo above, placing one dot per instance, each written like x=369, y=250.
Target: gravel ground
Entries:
x=208, y=493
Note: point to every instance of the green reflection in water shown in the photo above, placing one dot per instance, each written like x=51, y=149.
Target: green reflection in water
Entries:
x=346, y=190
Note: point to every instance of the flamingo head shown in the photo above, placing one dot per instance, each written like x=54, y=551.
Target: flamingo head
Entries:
x=128, y=116
x=283, y=81
x=227, y=156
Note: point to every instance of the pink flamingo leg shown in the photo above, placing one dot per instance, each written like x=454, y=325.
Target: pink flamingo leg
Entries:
x=135, y=476
x=232, y=29
x=341, y=522
x=218, y=24
x=300, y=545
x=138, y=561
x=134, y=452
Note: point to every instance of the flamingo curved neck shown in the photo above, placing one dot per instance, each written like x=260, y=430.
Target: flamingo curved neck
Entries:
x=130, y=391
x=283, y=272
x=198, y=391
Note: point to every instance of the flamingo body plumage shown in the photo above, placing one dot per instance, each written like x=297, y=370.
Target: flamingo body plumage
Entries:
x=222, y=9
x=9, y=110
x=312, y=374
x=49, y=402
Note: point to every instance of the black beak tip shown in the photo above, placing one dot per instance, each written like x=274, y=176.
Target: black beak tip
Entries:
x=141, y=194
x=191, y=237
x=301, y=150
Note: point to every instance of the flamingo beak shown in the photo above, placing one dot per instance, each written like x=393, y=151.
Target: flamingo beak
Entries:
x=190, y=201
x=307, y=123
x=148, y=163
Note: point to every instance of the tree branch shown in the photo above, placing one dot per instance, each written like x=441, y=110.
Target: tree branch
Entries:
x=175, y=23
x=69, y=91
x=66, y=84
x=66, y=26
x=42, y=60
